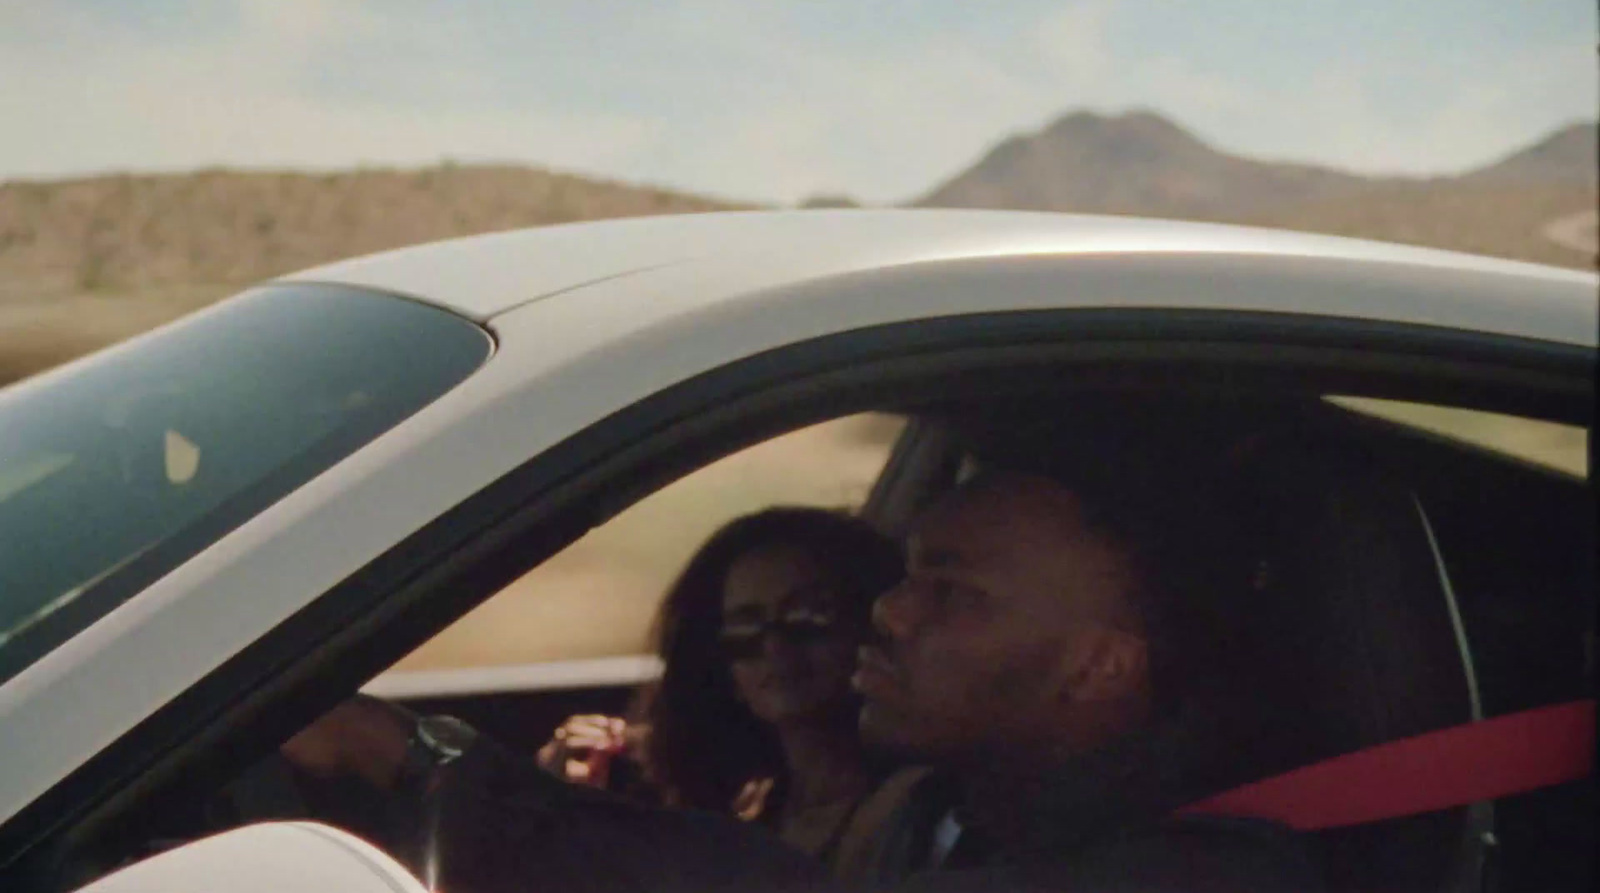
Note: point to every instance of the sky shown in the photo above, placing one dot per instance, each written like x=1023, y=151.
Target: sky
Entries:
x=766, y=101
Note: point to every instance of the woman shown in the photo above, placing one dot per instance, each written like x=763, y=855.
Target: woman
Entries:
x=754, y=713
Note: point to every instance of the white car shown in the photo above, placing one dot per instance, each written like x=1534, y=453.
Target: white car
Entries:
x=214, y=532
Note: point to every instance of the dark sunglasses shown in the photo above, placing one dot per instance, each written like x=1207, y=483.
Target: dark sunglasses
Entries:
x=745, y=639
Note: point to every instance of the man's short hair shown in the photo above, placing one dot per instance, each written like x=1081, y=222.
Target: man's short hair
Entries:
x=1170, y=508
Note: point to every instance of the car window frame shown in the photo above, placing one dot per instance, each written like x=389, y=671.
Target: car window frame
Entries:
x=101, y=593
x=390, y=606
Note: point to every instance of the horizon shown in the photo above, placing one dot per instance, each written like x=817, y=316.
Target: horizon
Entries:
x=880, y=102
x=601, y=176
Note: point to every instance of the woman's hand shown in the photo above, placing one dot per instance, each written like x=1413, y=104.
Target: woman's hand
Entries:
x=580, y=751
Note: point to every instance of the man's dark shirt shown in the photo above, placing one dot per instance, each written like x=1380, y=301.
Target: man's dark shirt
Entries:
x=1102, y=821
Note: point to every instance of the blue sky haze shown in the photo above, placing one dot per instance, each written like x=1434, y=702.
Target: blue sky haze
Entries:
x=880, y=99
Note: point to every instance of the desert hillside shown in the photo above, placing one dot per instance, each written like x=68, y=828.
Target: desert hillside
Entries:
x=1479, y=217
x=220, y=226
x=1142, y=164
x=88, y=262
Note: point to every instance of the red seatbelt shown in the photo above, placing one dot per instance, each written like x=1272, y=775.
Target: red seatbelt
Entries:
x=1485, y=760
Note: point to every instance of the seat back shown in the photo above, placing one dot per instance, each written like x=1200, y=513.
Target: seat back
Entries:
x=1353, y=626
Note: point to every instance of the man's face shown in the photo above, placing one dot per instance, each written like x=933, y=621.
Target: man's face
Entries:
x=1004, y=592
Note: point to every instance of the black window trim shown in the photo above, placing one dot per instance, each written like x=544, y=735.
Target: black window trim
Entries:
x=326, y=650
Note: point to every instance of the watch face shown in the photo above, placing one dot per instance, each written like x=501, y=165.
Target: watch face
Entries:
x=445, y=735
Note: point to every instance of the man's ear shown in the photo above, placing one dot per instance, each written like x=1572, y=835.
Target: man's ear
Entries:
x=1107, y=665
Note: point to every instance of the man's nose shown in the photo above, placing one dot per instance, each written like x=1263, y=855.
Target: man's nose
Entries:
x=894, y=612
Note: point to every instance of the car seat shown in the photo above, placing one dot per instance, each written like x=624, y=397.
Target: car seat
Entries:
x=1353, y=625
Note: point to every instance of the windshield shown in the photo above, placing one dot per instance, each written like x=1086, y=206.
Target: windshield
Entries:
x=116, y=471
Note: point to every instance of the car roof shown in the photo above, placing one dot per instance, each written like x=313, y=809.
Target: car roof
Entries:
x=726, y=255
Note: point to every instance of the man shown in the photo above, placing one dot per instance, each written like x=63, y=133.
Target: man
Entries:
x=1052, y=651
x=1058, y=661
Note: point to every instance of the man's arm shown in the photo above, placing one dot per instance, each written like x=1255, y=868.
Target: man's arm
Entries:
x=364, y=737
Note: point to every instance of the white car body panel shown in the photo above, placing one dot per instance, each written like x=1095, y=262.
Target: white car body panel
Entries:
x=274, y=857
x=706, y=291
x=484, y=276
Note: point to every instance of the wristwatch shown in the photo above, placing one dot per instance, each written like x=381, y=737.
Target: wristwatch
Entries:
x=436, y=742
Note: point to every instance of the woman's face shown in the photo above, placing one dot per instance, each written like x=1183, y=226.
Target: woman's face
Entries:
x=790, y=642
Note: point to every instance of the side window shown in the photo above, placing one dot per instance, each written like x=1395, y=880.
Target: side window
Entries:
x=1563, y=447
x=596, y=598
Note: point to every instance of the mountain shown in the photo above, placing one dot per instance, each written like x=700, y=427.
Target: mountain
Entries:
x=1142, y=164
x=1569, y=155
x=1134, y=163
x=1478, y=218
x=220, y=226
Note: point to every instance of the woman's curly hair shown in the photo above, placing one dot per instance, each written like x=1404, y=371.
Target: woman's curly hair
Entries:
x=704, y=745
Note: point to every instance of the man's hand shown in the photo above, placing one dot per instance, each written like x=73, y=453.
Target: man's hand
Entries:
x=363, y=736
x=582, y=747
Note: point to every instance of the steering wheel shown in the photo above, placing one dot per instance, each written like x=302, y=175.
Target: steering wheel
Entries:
x=267, y=791
x=270, y=790
x=274, y=790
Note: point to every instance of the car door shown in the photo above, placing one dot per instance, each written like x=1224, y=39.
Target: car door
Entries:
x=605, y=422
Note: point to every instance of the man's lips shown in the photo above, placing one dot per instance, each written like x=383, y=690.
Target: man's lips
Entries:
x=875, y=673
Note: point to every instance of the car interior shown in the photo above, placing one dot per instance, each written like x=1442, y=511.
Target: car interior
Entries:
x=1407, y=582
